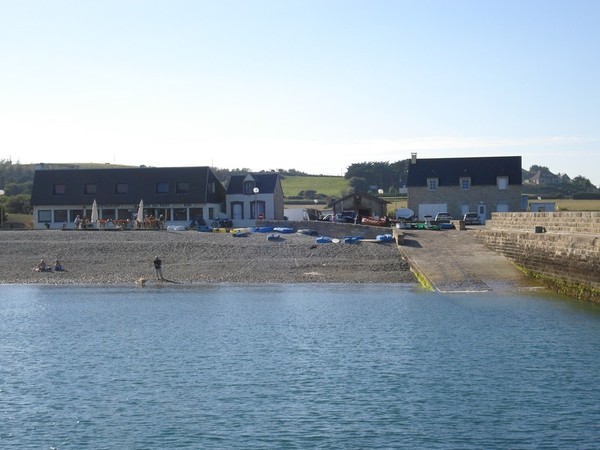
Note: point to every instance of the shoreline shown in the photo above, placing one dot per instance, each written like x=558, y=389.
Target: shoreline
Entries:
x=193, y=258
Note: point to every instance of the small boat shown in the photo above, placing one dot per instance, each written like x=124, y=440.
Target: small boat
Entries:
x=308, y=232
x=323, y=240
x=240, y=232
x=273, y=237
x=381, y=222
x=283, y=230
x=384, y=238
x=263, y=229
x=351, y=239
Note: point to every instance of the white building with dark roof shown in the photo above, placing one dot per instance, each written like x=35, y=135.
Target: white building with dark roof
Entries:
x=253, y=197
x=179, y=194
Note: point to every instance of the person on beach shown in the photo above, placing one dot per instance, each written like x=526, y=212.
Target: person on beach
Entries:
x=157, y=267
x=58, y=267
x=41, y=267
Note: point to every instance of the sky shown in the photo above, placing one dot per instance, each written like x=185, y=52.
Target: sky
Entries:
x=311, y=85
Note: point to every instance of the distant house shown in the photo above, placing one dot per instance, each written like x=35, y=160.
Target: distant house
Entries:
x=179, y=194
x=362, y=204
x=253, y=197
x=460, y=185
x=540, y=178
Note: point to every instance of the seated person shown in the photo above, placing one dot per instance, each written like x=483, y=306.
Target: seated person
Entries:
x=58, y=266
x=41, y=267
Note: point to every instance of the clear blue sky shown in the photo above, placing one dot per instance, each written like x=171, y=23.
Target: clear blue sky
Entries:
x=310, y=85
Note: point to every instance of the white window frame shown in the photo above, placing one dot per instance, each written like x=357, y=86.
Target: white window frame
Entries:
x=502, y=183
x=465, y=183
x=432, y=184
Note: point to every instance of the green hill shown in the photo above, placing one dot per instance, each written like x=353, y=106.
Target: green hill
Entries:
x=329, y=186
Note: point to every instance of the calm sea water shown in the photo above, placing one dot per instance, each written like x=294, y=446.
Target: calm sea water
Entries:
x=319, y=366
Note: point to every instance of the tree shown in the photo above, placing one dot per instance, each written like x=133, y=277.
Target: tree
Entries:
x=584, y=183
x=18, y=204
x=359, y=184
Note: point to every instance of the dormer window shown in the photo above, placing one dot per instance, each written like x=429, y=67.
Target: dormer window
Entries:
x=465, y=183
x=249, y=186
x=502, y=183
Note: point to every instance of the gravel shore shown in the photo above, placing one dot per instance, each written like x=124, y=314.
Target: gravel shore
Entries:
x=121, y=257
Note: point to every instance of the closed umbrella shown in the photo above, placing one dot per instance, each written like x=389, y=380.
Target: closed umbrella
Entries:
x=94, y=217
x=140, y=212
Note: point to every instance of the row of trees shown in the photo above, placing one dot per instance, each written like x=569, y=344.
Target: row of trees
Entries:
x=372, y=176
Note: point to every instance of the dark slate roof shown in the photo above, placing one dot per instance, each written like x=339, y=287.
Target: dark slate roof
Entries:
x=141, y=185
x=265, y=182
x=363, y=195
x=482, y=170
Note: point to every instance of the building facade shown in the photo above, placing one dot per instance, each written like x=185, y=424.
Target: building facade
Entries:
x=460, y=185
x=178, y=194
x=254, y=197
x=361, y=204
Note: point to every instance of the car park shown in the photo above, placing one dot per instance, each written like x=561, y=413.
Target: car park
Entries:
x=471, y=218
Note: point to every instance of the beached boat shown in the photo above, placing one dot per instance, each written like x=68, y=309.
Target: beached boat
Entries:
x=240, y=232
x=308, y=232
x=381, y=222
x=324, y=240
x=283, y=230
x=263, y=229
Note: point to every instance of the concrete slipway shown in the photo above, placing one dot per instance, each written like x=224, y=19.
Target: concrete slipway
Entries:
x=454, y=261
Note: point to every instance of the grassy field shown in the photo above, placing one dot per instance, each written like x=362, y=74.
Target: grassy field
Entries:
x=331, y=186
x=575, y=205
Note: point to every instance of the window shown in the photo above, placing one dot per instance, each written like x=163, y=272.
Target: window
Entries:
x=211, y=213
x=249, y=187
x=162, y=187
x=109, y=214
x=90, y=188
x=196, y=213
x=465, y=183
x=121, y=188
x=180, y=214
x=58, y=189
x=74, y=213
x=60, y=215
x=45, y=215
x=212, y=187
x=432, y=184
x=502, y=183
x=123, y=214
x=182, y=187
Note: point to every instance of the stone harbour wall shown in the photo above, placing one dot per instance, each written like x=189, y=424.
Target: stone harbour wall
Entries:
x=561, y=250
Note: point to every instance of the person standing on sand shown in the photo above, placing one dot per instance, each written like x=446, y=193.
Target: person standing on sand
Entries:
x=157, y=267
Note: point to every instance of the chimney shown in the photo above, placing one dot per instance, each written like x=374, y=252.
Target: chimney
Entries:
x=413, y=158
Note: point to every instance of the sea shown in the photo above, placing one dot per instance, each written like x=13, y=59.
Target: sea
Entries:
x=277, y=366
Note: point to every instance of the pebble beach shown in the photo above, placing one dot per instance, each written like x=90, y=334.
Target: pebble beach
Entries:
x=188, y=257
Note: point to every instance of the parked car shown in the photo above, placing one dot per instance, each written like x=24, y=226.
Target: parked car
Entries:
x=344, y=218
x=443, y=217
x=471, y=218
